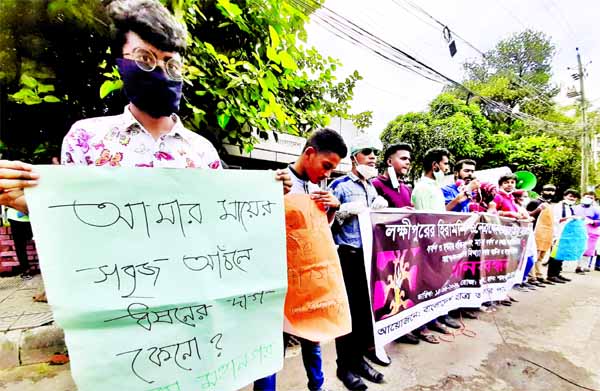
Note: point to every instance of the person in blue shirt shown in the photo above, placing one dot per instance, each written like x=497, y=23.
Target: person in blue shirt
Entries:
x=356, y=194
x=458, y=195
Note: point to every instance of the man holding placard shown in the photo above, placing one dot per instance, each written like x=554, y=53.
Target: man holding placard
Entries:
x=148, y=44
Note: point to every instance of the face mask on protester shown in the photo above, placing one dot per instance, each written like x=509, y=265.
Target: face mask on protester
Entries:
x=152, y=92
x=569, y=202
x=367, y=172
x=586, y=201
x=439, y=176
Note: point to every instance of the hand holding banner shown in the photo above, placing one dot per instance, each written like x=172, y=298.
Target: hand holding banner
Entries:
x=159, y=277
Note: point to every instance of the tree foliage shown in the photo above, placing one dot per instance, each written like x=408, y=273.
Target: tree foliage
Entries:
x=516, y=73
x=449, y=123
x=248, y=72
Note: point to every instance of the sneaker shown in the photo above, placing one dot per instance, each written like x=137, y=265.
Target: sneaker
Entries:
x=597, y=268
x=520, y=288
x=544, y=281
x=535, y=283
x=468, y=314
x=448, y=321
x=561, y=277
x=579, y=270
x=556, y=280
x=26, y=276
x=528, y=286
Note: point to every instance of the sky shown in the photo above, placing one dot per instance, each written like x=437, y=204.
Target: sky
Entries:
x=389, y=90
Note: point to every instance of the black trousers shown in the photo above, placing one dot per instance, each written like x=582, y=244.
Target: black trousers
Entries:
x=21, y=233
x=554, y=267
x=351, y=347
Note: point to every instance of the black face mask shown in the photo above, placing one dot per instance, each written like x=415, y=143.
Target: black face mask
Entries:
x=152, y=92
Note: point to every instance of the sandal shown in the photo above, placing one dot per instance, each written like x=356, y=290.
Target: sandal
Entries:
x=507, y=303
x=427, y=337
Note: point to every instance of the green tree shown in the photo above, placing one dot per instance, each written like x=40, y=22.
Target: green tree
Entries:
x=516, y=72
x=450, y=123
x=249, y=72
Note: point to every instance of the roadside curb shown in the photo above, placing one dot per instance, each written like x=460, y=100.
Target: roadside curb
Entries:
x=30, y=346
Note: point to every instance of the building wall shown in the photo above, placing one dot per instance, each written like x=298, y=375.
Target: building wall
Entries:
x=8, y=256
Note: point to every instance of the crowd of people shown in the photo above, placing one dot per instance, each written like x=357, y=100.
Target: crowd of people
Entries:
x=149, y=134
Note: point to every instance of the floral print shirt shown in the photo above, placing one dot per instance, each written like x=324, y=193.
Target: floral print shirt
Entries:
x=121, y=140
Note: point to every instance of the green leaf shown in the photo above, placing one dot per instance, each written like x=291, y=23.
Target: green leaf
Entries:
x=28, y=81
x=272, y=54
x=109, y=86
x=45, y=88
x=51, y=99
x=287, y=61
x=232, y=9
x=223, y=120
x=32, y=100
x=274, y=37
x=20, y=95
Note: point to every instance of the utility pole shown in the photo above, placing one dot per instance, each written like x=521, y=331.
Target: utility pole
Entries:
x=584, y=131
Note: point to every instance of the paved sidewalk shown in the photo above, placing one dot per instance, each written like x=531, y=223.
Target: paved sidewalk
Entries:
x=28, y=334
x=556, y=329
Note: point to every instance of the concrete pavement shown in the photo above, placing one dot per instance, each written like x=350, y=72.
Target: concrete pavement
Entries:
x=557, y=327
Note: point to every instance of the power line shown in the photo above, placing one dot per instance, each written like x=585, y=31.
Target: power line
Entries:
x=538, y=95
x=346, y=29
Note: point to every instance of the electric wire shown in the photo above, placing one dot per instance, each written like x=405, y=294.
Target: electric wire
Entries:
x=350, y=31
x=539, y=94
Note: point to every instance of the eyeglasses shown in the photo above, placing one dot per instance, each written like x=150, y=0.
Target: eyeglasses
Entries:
x=147, y=61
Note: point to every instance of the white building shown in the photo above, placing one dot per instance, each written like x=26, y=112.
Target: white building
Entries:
x=283, y=151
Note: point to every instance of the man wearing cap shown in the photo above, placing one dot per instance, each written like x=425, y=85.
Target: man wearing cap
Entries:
x=543, y=241
x=356, y=194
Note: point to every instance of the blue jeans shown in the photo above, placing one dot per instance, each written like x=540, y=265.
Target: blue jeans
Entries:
x=313, y=364
x=528, y=267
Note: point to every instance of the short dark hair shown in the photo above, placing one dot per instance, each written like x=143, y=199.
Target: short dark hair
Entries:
x=590, y=193
x=434, y=155
x=392, y=149
x=459, y=164
x=519, y=193
x=506, y=178
x=572, y=192
x=150, y=20
x=327, y=140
